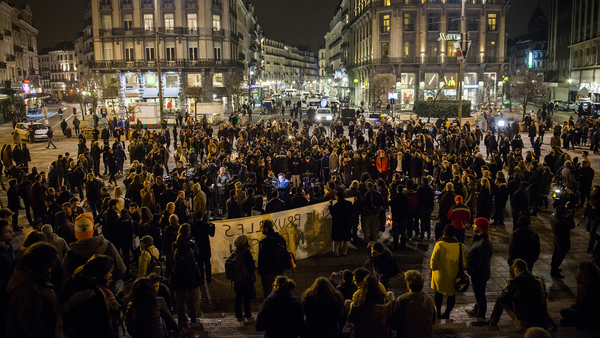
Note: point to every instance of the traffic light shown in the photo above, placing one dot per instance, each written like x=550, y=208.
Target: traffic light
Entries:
x=459, y=53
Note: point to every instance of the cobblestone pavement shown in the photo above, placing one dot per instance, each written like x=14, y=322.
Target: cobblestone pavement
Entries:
x=217, y=298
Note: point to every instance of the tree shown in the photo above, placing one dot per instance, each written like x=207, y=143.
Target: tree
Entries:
x=379, y=87
x=526, y=84
x=437, y=94
x=233, y=88
x=488, y=97
x=110, y=91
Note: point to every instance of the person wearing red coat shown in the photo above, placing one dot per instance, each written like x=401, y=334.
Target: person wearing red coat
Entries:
x=459, y=214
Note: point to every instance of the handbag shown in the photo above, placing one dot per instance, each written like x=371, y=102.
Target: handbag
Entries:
x=461, y=283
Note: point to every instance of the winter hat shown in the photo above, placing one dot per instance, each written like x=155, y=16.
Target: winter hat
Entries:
x=483, y=224
x=84, y=227
x=458, y=199
x=240, y=240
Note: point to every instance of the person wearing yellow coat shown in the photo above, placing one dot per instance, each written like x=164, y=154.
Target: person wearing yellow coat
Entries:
x=444, y=268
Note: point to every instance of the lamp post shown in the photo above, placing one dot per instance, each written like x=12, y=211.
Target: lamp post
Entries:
x=461, y=74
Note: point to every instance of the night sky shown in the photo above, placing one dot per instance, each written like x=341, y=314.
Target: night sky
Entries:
x=295, y=22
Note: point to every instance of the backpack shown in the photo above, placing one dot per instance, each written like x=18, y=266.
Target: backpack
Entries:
x=235, y=270
x=154, y=266
x=185, y=262
x=282, y=259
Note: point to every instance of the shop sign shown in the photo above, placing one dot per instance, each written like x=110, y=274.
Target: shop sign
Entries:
x=451, y=83
x=449, y=37
x=26, y=86
x=471, y=86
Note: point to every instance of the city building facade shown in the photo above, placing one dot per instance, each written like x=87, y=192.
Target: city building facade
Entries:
x=336, y=52
x=411, y=44
x=59, y=67
x=194, y=42
x=530, y=50
x=287, y=66
x=585, y=49
x=20, y=84
x=84, y=46
x=559, y=56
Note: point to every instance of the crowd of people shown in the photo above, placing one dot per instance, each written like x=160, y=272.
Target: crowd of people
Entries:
x=153, y=230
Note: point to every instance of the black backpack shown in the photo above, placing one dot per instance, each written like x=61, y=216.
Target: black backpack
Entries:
x=282, y=260
x=154, y=266
x=235, y=270
x=185, y=262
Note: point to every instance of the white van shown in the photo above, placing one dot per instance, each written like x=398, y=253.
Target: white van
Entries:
x=291, y=92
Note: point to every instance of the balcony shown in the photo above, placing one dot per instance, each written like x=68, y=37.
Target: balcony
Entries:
x=217, y=5
x=168, y=4
x=106, y=32
x=30, y=48
x=2, y=65
x=218, y=32
x=191, y=31
x=191, y=4
x=432, y=59
x=10, y=58
x=18, y=49
x=8, y=32
x=126, y=4
x=148, y=4
x=105, y=6
x=451, y=59
x=179, y=63
x=144, y=31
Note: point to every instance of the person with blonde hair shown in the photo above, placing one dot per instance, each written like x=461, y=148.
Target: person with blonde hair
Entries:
x=120, y=197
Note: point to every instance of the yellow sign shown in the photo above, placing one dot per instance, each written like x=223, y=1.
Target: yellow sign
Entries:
x=451, y=83
x=449, y=37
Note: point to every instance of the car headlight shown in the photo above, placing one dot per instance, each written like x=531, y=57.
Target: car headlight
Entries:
x=329, y=117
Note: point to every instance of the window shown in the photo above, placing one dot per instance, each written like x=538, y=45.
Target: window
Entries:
x=107, y=22
x=218, y=80
x=409, y=22
x=217, y=50
x=131, y=81
x=451, y=49
x=129, y=51
x=171, y=80
x=491, y=23
x=151, y=81
x=149, y=51
x=193, y=48
x=473, y=21
x=432, y=49
x=453, y=21
x=385, y=50
x=170, y=51
x=433, y=21
x=491, y=49
x=409, y=49
x=195, y=80
x=108, y=51
x=148, y=22
x=169, y=22
x=386, y=2
x=216, y=23
x=127, y=22
x=192, y=21
x=385, y=23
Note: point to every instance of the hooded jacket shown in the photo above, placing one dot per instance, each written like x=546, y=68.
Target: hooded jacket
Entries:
x=31, y=306
x=479, y=257
x=281, y=315
x=83, y=250
x=524, y=244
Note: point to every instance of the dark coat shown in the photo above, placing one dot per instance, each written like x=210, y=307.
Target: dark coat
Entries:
x=341, y=226
x=110, y=227
x=281, y=316
x=84, y=311
x=266, y=249
x=524, y=244
x=323, y=316
x=519, y=203
x=561, y=229
x=384, y=264
x=201, y=233
x=446, y=203
x=31, y=306
x=145, y=320
x=527, y=294
x=479, y=257
x=484, y=204
x=188, y=277
x=398, y=205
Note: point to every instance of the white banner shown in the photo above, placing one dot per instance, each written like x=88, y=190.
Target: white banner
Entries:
x=306, y=230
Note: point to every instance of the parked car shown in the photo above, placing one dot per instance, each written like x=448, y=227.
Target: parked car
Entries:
x=41, y=131
x=32, y=111
x=596, y=109
x=566, y=106
x=376, y=119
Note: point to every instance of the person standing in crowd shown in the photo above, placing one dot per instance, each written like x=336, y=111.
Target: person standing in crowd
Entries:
x=459, y=214
x=281, y=313
x=372, y=204
x=519, y=203
x=323, y=307
x=524, y=244
x=268, y=259
x=186, y=278
x=31, y=297
x=444, y=269
x=148, y=314
x=585, y=312
x=479, y=267
x=562, y=223
x=370, y=314
x=244, y=288
x=341, y=212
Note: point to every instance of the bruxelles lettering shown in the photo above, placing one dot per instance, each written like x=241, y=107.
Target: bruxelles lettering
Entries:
x=232, y=230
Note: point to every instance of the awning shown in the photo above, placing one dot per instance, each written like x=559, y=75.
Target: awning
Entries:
x=38, y=95
x=150, y=92
x=171, y=92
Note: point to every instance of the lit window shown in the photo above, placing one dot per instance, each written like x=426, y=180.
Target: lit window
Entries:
x=492, y=22
x=385, y=24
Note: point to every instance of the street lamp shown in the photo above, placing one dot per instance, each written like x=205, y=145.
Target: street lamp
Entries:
x=570, y=81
